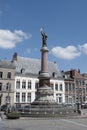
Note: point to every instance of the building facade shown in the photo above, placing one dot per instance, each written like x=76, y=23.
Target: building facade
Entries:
x=7, y=79
x=70, y=95
x=26, y=80
x=19, y=82
x=85, y=76
x=74, y=87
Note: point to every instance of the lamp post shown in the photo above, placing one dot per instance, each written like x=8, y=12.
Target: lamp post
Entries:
x=1, y=100
x=8, y=98
x=78, y=101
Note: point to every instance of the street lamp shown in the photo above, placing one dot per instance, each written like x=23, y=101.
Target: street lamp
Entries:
x=8, y=90
x=78, y=101
x=1, y=98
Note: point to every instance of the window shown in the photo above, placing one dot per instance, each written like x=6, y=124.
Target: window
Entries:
x=24, y=85
x=0, y=86
x=23, y=97
x=29, y=97
x=9, y=75
x=8, y=87
x=8, y=99
x=70, y=87
x=66, y=87
x=29, y=84
x=51, y=85
x=36, y=85
x=60, y=99
x=18, y=84
x=18, y=97
x=61, y=87
x=22, y=71
x=0, y=100
x=54, y=74
x=83, y=83
x=56, y=87
x=66, y=99
x=1, y=74
x=73, y=88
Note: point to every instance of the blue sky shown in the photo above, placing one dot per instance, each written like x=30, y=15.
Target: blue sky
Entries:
x=64, y=22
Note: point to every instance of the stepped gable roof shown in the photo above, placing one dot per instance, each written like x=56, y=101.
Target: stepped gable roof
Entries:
x=74, y=74
x=7, y=64
x=33, y=66
x=78, y=75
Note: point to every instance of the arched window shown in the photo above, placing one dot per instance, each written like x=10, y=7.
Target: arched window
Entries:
x=23, y=71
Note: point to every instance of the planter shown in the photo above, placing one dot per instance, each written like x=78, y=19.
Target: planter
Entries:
x=13, y=115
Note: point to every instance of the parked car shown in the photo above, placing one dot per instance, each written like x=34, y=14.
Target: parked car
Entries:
x=84, y=106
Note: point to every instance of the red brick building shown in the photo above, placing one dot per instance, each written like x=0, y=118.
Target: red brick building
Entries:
x=74, y=86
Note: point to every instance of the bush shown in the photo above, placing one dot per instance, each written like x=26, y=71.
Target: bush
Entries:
x=13, y=115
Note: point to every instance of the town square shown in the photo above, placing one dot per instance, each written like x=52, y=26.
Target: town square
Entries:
x=43, y=66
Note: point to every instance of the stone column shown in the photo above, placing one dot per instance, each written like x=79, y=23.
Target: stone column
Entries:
x=44, y=77
x=44, y=92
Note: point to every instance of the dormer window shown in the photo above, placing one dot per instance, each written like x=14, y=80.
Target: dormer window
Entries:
x=54, y=74
x=22, y=71
x=1, y=73
x=39, y=72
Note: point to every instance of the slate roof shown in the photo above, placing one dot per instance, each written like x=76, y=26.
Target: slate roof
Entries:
x=33, y=66
x=7, y=64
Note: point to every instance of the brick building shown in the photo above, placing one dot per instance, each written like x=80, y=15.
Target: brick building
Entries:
x=74, y=86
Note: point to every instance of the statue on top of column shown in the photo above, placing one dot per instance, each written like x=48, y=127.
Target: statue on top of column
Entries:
x=44, y=37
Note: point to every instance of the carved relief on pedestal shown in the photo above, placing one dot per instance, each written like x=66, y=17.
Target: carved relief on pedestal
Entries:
x=44, y=82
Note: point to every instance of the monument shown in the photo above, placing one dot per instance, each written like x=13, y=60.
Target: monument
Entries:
x=44, y=93
x=44, y=104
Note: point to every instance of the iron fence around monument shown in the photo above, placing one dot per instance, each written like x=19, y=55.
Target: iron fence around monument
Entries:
x=47, y=111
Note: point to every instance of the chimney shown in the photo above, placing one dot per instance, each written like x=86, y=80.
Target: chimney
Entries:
x=15, y=56
x=71, y=73
x=78, y=70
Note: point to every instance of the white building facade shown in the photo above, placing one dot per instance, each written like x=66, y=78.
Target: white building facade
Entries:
x=27, y=82
x=26, y=87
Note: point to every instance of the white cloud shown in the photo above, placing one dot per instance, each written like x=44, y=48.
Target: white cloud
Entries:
x=70, y=52
x=83, y=48
x=9, y=39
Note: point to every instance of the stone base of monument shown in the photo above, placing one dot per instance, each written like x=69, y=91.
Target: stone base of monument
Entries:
x=45, y=106
x=48, y=110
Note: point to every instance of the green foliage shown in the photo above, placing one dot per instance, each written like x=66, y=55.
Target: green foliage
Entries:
x=13, y=115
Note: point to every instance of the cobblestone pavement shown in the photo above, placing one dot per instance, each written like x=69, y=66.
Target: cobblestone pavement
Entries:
x=79, y=123
x=46, y=124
